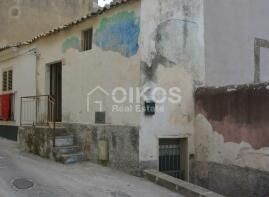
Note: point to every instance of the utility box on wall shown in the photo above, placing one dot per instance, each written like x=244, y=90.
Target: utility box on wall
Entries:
x=150, y=108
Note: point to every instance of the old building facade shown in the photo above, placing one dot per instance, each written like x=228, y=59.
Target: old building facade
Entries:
x=23, y=19
x=86, y=68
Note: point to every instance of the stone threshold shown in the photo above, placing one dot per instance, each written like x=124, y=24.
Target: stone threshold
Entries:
x=177, y=185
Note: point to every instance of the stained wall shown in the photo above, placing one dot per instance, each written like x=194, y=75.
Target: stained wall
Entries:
x=231, y=140
x=172, y=55
x=21, y=20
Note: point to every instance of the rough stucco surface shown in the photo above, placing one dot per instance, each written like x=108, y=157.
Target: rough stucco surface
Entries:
x=123, y=148
x=231, y=128
x=230, y=180
x=231, y=27
x=23, y=19
x=240, y=115
x=36, y=140
x=172, y=55
x=123, y=143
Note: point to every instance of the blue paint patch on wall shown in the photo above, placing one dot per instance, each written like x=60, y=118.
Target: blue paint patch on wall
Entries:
x=119, y=33
x=71, y=43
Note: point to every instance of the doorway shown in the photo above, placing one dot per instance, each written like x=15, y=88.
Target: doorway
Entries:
x=56, y=89
x=173, y=157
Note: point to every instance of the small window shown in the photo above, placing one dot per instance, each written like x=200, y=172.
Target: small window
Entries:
x=87, y=39
x=174, y=157
x=7, y=83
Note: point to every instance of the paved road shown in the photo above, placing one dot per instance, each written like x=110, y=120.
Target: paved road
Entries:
x=56, y=180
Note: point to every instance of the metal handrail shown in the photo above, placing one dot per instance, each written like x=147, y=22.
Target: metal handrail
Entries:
x=35, y=105
x=36, y=101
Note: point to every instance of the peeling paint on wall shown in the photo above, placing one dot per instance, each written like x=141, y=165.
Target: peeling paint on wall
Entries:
x=211, y=147
x=232, y=139
x=240, y=115
x=119, y=33
x=71, y=43
x=172, y=55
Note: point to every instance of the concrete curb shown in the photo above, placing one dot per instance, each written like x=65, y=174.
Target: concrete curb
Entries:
x=177, y=185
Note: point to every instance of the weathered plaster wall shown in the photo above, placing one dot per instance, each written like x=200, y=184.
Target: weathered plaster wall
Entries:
x=36, y=140
x=20, y=20
x=119, y=33
x=231, y=127
x=111, y=63
x=231, y=27
x=122, y=150
x=172, y=51
x=23, y=64
x=123, y=144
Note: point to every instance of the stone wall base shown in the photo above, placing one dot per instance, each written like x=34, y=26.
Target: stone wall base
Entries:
x=123, y=144
x=230, y=180
x=37, y=140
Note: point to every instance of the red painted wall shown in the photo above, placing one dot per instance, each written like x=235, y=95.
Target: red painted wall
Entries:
x=238, y=113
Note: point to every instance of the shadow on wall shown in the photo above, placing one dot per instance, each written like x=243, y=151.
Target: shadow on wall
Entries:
x=9, y=132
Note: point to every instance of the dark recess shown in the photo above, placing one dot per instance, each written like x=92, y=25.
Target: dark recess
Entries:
x=9, y=132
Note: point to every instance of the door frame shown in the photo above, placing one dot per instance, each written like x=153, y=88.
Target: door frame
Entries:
x=48, y=80
x=184, y=148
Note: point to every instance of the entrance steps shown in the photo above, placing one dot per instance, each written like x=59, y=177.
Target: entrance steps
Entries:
x=66, y=151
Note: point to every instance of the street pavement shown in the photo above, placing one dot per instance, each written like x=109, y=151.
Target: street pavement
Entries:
x=49, y=179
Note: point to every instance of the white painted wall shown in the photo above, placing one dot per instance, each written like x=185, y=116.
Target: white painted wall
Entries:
x=83, y=71
x=230, y=29
x=264, y=64
x=23, y=64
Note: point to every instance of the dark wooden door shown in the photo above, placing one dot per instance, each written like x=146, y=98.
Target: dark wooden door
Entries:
x=56, y=89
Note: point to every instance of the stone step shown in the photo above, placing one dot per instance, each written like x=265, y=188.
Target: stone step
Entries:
x=57, y=125
x=61, y=141
x=60, y=132
x=67, y=150
x=71, y=158
x=177, y=185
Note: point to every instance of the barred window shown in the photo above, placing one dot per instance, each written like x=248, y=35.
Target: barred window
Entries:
x=87, y=39
x=7, y=80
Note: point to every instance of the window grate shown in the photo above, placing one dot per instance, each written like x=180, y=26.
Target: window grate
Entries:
x=7, y=80
x=4, y=82
x=87, y=39
x=169, y=157
x=10, y=80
